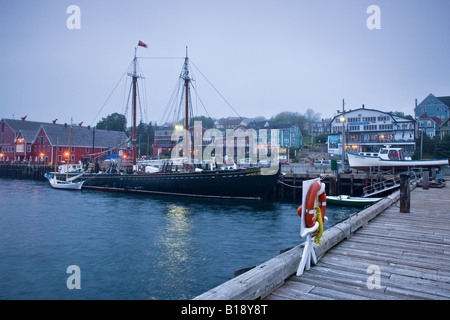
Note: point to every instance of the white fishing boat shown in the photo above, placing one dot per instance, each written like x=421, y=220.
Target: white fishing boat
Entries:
x=68, y=184
x=389, y=157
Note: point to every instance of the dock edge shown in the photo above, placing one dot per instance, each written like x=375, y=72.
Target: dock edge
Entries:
x=265, y=278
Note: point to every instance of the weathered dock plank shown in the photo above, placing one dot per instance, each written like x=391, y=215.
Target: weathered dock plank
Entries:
x=411, y=250
x=266, y=278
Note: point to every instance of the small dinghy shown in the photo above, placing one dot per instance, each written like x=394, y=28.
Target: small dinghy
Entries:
x=348, y=201
x=64, y=184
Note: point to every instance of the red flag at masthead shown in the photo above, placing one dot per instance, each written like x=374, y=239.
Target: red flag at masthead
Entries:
x=141, y=44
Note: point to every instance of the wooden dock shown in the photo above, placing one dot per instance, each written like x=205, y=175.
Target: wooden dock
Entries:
x=411, y=250
x=394, y=256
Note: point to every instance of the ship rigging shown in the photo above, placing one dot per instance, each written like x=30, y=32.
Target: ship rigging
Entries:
x=188, y=180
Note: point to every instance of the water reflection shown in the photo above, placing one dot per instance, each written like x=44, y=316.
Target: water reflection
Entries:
x=134, y=246
x=177, y=250
x=177, y=235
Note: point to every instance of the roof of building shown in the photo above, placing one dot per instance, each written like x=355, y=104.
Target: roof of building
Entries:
x=396, y=118
x=435, y=119
x=26, y=128
x=83, y=136
x=445, y=100
x=58, y=134
x=230, y=121
x=445, y=123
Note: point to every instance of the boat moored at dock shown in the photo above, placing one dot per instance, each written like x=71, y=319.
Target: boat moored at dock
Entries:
x=249, y=183
x=348, y=201
x=189, y=177
x=64, y=184
x=389, y=157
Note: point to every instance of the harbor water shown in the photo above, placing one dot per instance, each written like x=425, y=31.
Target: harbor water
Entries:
x=129, y=246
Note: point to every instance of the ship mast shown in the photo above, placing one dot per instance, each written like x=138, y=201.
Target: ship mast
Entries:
x=185, y=76
x=134, y=107
x=134, y=76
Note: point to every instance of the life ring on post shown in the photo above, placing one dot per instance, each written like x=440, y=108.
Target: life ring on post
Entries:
x=316, y=197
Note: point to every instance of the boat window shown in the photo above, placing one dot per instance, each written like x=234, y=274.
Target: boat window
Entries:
x=394, y=154
x=383, y=151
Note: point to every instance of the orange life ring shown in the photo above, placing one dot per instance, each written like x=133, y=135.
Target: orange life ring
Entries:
x=311, y=204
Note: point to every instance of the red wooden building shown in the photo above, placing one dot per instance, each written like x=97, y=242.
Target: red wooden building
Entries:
x=31, y=141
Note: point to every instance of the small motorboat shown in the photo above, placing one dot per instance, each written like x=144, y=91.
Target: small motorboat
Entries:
x=348, y=201
x=64, y=184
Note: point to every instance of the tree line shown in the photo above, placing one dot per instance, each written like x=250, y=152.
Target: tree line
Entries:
x=429, y=147
x=432, y=148
x=145, y=133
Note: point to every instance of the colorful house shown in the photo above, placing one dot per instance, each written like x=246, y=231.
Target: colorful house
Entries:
x=289, y=136
x=434, y=107
x=429, y=125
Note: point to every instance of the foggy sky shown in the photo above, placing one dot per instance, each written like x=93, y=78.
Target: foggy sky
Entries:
x=263, y=56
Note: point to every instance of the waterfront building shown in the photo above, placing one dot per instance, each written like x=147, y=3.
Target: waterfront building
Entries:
x=367, y=130
x=288, y=136
x=42, y=142
x=163, y=144
x=229, y=123
x=444, y=128
x=433, y=106
x=429, y=125
x=317, y=128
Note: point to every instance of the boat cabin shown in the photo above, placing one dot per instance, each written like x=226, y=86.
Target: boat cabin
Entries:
x=391, y=153
x=387, y=153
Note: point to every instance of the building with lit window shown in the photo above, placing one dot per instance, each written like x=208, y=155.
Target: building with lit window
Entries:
x=41, y=142
x=367, y=130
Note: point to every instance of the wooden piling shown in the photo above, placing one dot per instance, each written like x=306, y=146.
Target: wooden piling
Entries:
x=24, y=171
x=404, y=193
x=426, y=180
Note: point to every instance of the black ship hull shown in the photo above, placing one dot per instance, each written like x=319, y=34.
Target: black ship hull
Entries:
x=242, y=183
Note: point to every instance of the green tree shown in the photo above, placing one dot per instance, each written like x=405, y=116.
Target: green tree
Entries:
x=291, y=118
x=442, y=148
x=145, y=135
x=430, y=147
x=207, y=122
x=114, y=122
x=321, y=139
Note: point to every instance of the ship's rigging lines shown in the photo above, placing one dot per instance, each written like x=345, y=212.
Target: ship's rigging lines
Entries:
x=105, y=152
x=177, y=97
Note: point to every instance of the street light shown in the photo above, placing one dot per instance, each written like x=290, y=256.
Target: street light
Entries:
x=342, y=120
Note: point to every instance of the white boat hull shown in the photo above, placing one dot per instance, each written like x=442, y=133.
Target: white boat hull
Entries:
x=364, y=162
x=348, y=201
x=65, y=185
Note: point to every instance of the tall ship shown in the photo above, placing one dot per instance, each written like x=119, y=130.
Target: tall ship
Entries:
x=182, y=176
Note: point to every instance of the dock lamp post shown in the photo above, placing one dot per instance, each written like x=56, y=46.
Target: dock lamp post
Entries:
x=342, y=120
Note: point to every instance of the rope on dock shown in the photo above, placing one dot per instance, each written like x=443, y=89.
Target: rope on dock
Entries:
x=289, y=185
